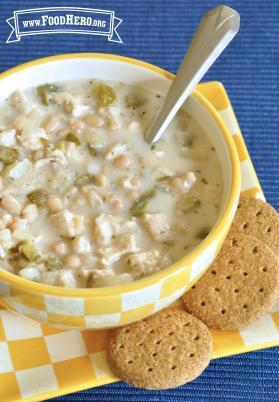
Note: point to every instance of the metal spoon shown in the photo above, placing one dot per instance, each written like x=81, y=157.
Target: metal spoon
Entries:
x=216, y=30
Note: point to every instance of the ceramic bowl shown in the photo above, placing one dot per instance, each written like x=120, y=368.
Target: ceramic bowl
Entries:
x=118, y=305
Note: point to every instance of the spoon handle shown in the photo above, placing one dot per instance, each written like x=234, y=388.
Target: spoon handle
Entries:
x=216, y=30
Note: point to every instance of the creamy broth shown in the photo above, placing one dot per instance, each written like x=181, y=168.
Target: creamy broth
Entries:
x=85, y=201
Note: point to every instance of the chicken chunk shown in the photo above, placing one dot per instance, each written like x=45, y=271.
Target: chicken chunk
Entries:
x=108, y=226
x=70, y=103
x=7, y=138
x=147, y=262
x=19, y=169
x=121, y=246
x=67, y=279
x=183, y=183
x=54, y=157
x=67, y=223
x=5, y=236
x=107, y=277
x=30, y=273
x=50, y=277
x=21, y=102
x=157, y=225
x=31, y=138
x=81, y=245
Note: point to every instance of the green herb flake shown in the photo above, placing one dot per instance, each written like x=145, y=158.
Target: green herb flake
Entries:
x=44, y=91
x=140, y=206
x=203, y=233
x=38, y=197
x=8, y=155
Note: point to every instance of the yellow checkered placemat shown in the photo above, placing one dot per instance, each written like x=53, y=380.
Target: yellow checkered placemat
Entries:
x=38, y=362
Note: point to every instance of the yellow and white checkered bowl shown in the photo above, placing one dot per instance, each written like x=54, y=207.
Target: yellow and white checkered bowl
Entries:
x=118, y=305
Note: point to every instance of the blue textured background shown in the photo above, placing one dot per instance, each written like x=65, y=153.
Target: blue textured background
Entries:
x=159, y=31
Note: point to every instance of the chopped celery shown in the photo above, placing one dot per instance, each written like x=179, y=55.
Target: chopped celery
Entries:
x=106, y=95
x=53, y=263
x=44, y=91
x=29, y=251
x=71, y=137
x=84, y=180
x=92, y=150
x=140, y=206
x=8, y=155
x=38, y=197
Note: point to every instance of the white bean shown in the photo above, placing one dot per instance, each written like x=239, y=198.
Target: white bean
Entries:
x=72, y=261
x=60, y=247
x=94, y=120
x=129, y=182
x=106, y=170
x=122, y=162
x=80, y=201
x=101, y=180
x=10, y=204
x=77, y=125
x=94, y=198
x=19, y=224
x=51, y=124
x=115, y=201
x=54, y=204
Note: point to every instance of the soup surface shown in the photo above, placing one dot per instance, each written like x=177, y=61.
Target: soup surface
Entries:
x=84, y=201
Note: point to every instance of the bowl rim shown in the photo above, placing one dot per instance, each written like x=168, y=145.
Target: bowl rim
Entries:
x=40, y=288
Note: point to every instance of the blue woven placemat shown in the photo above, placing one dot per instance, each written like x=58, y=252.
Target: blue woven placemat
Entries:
x=159, y=31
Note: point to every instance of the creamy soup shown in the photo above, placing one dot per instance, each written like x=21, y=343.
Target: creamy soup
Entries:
x=84, y=200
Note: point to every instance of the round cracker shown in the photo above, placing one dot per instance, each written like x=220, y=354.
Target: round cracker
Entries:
x=239, y=287
x=163, y=351
x=258, y=219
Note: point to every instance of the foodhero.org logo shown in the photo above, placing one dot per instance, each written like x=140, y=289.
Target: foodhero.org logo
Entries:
x=51, y=20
